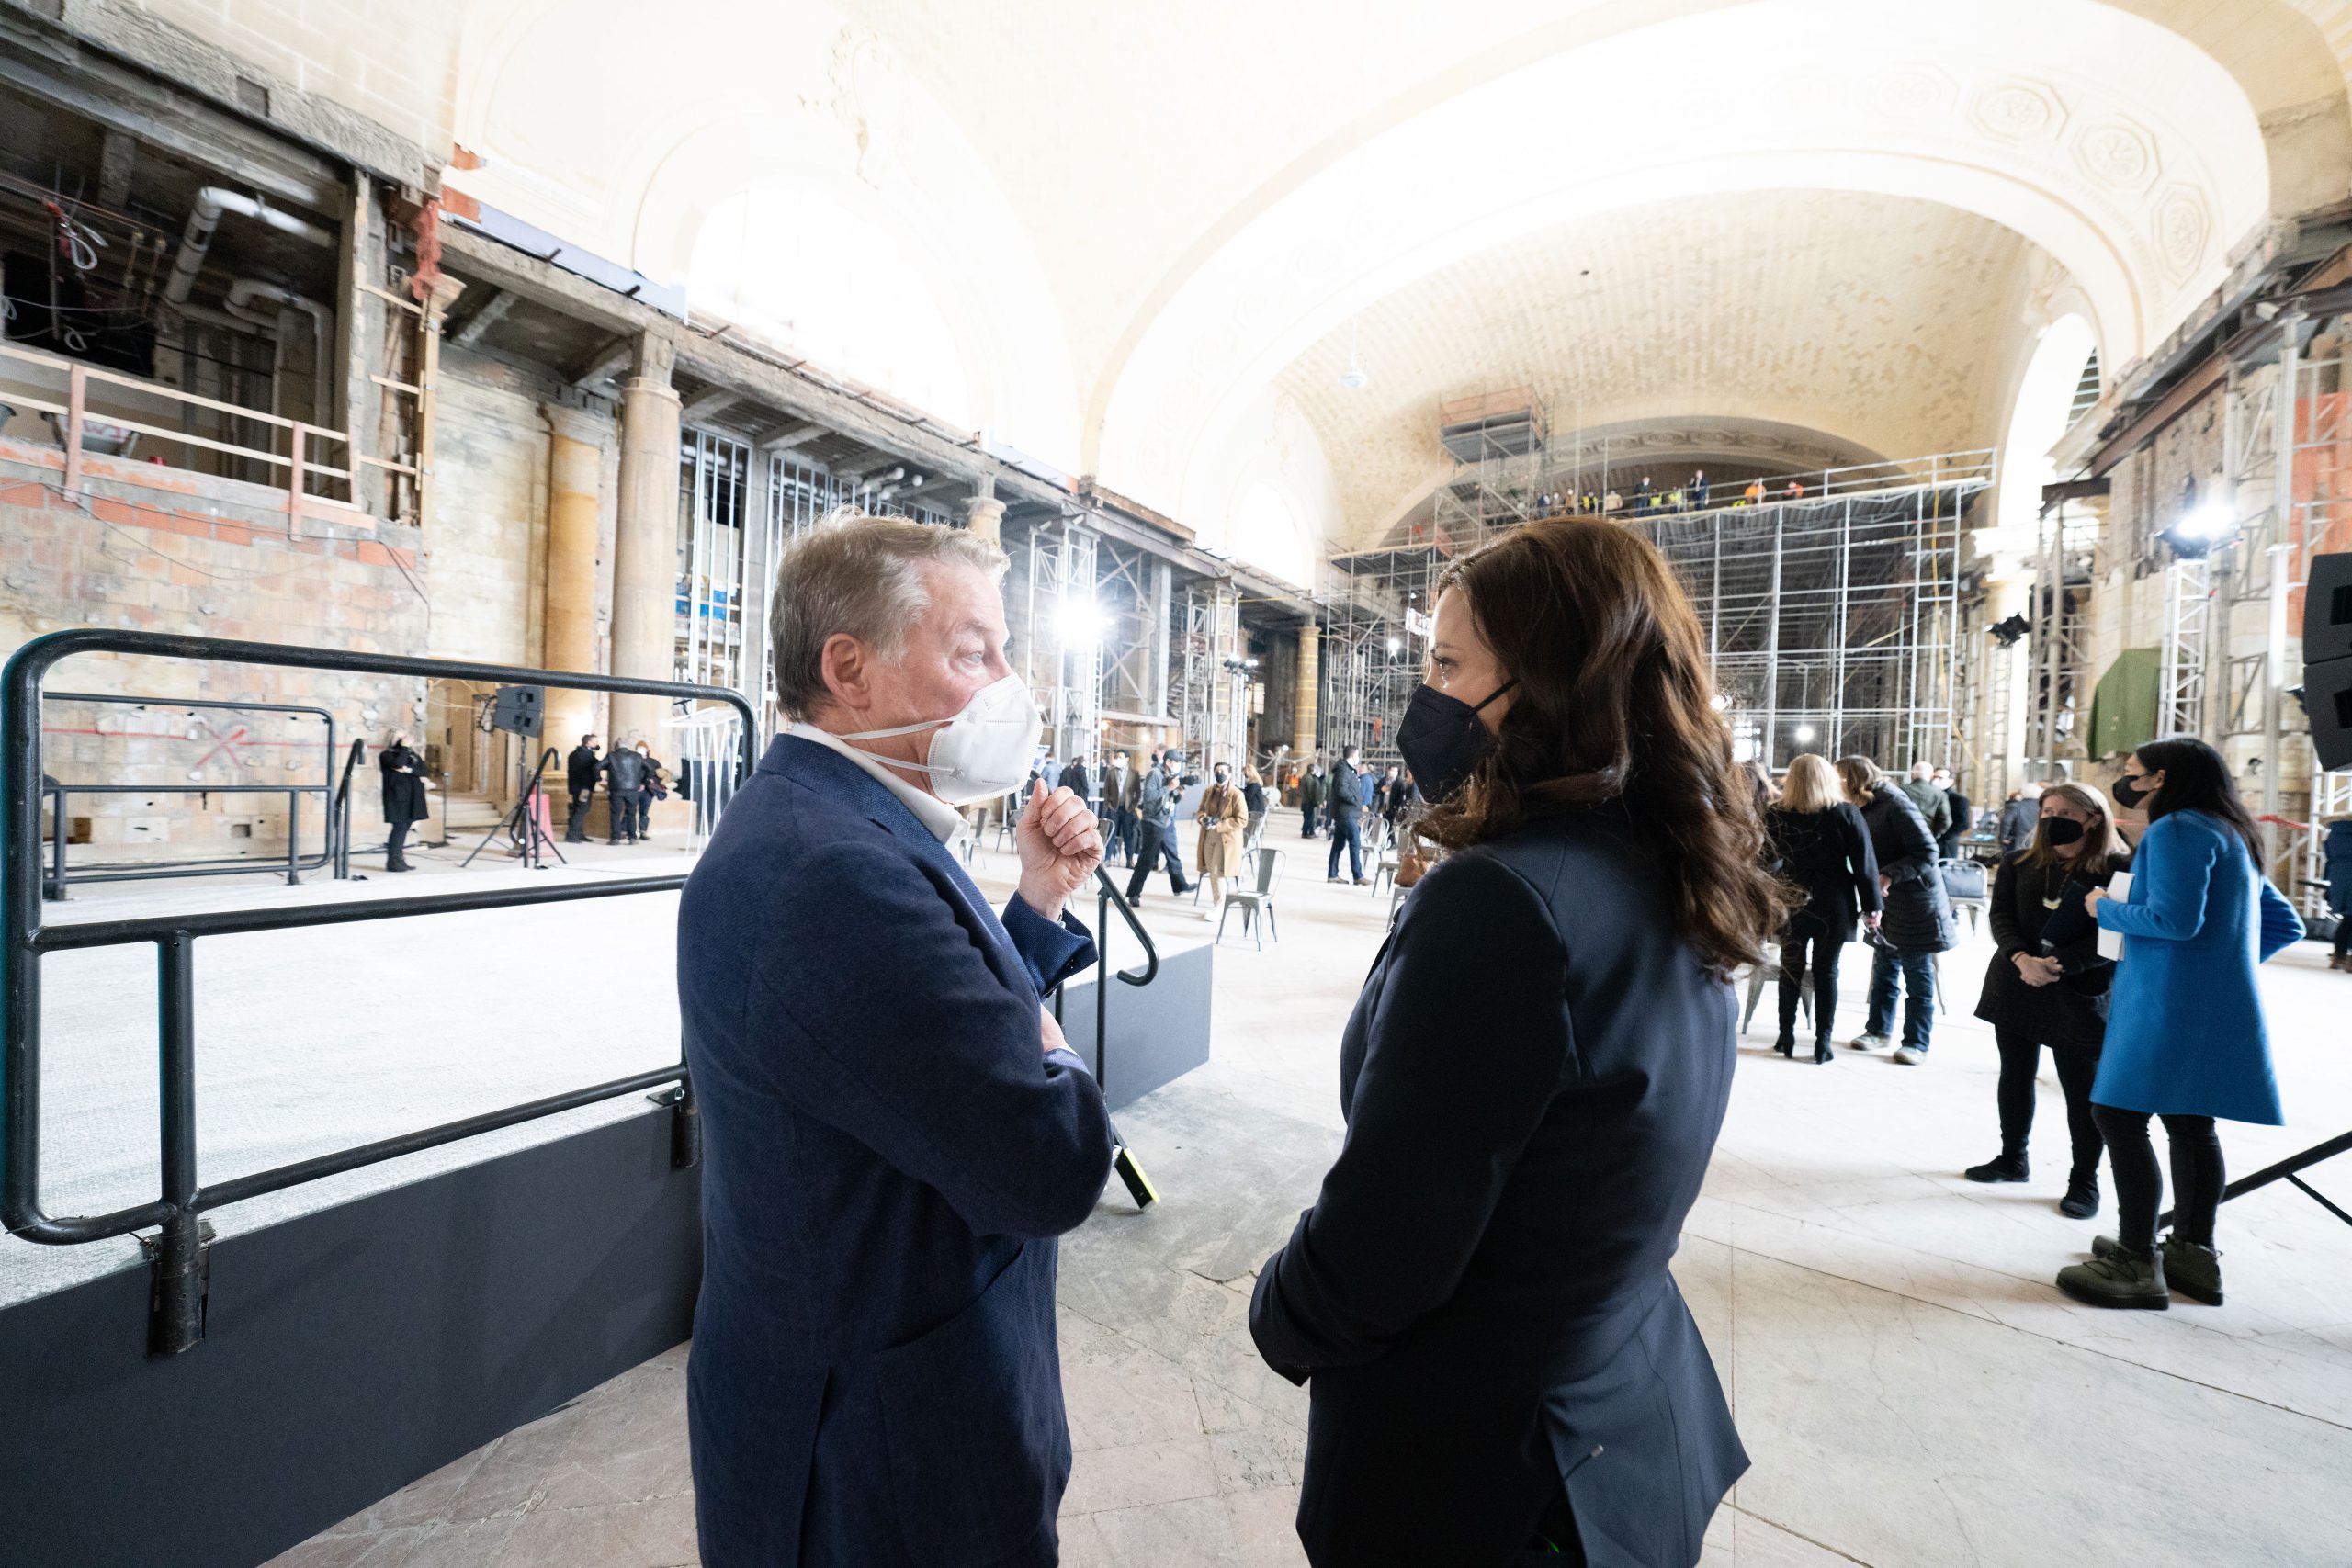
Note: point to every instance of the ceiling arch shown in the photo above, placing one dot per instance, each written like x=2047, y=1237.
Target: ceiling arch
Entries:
x=2058, y=121
x=1833, y=313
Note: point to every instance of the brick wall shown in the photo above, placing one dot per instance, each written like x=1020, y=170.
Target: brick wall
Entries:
x=121, y=557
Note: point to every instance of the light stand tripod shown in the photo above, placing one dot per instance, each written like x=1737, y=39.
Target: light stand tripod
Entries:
x=523, y=826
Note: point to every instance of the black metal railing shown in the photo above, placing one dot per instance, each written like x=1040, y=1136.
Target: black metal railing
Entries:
x=341, y=813
x=61, y=876
x=178, y=1248
x=1107, y=898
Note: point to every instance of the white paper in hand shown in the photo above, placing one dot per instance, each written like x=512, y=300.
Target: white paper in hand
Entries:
x=2110, y=944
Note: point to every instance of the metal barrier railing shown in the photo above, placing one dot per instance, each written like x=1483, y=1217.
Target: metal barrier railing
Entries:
x=1107, y=898
x=61, y=875
x=340, y=813
x=178, y=1250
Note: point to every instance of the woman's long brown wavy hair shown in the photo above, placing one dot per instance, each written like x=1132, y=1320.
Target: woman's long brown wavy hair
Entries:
x=1613, y=704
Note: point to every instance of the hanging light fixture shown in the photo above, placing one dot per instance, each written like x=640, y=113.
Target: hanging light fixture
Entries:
x=1353, y=377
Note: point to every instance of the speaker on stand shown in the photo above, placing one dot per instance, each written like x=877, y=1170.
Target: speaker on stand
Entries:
x=519, y=710
x=2327, y=657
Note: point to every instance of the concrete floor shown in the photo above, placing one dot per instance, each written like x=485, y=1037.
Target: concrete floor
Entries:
x=1913, y=1391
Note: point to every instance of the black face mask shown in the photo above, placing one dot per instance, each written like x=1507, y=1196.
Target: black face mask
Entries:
x=2128, y=793
x=1223, y=776
x=2062, y=831
x=1442, y=739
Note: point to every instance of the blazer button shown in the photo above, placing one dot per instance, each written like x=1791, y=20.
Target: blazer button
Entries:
x=1595, y=1451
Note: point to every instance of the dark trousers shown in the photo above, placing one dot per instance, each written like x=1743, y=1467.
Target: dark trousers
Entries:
x=2343, y=943
x=575, y=829
x=1155, y=839
x=2198, y=1174
x=1346, y=829
x=2077, y=1065
x=626, y=809
x=1124, y=827
x=1309, y=830
x=1915, y=975
x=395, y=846
x=1809, y=944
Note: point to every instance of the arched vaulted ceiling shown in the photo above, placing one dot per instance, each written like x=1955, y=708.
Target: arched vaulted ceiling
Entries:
x=1134, y=221
x=1832, y=310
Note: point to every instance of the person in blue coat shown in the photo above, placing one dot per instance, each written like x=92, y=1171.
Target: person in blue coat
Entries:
x=895, y=1132
x=1498, y=1361
x=2186, y=1039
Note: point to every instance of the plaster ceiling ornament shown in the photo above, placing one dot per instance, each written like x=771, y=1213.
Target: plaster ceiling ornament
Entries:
x=2183, y=227
x=1913, y=92
x=2017, y=111
x=2118, y=153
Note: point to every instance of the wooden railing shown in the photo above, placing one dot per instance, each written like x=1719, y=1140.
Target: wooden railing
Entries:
x=296, y=465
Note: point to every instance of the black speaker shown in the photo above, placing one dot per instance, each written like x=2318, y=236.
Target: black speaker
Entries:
x=517, y=709
x=2327, y=697
x=2327, y=609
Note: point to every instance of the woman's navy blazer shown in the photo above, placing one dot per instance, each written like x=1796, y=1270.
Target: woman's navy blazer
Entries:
x=1534, y=1078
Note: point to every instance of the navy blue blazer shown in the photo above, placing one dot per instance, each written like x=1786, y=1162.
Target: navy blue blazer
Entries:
x=887, y=1157
x=1533, y=1078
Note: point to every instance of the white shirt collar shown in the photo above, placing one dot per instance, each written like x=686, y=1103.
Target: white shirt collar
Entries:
x=943, y=820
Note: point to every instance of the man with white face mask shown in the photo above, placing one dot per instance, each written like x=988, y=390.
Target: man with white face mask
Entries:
x=894, y=1130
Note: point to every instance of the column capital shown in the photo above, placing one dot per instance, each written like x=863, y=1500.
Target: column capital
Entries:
x=984, y=516
x=588, y=428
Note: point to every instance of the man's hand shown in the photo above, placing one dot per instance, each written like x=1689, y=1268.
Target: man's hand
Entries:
x=1060, y=849
x=1049, y=1034
x=2090, y=901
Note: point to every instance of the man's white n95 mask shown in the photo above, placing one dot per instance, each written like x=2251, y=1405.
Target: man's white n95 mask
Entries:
x=981, y=752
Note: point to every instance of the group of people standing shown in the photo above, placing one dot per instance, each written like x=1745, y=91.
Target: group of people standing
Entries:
x=633, y=781
x=2174, y=1031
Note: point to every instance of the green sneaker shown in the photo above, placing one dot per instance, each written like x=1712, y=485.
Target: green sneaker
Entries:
x=2195, y=1272
x=2118, y=1278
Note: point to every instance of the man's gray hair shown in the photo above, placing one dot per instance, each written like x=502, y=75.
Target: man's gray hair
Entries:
x=862, y=576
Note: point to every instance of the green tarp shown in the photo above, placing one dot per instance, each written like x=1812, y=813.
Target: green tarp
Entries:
x=2123, y=709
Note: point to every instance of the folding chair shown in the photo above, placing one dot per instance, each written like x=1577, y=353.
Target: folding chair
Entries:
x=1258, y=900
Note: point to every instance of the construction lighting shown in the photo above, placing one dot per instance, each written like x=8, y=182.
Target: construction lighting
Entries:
x=2200, y=529
x=1395, y=647
x=1079, y=623
x=2007, y=633
x=1719, y=703
x=1803, y=732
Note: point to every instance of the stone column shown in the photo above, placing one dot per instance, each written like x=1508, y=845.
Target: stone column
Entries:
x=1310, y=679
x=575, y=465
x=645, y=567
x=984, y=516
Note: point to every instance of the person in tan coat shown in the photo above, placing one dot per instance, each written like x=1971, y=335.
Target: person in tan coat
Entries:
x=1224, y=817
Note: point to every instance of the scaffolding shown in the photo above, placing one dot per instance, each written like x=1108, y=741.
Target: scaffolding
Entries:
x=1211, y=676
x=1063, y=649
x=1833, y=624
x=716, y=562
x=2058, y=640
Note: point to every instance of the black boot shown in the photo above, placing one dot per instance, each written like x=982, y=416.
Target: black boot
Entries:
x=1786, y=1045
x=2008, y=1167
x=1823, y=1053
x=2081, y=1201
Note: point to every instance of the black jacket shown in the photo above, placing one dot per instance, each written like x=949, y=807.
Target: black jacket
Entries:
x=580, y=770
x=1919, y=917
x=625, y=773
x=1074, y=780
x=1253, y=797
x=1347, y=792
x=1534, y=1078
x=2073, y=1011
x=403, y=772
x=1829, y=854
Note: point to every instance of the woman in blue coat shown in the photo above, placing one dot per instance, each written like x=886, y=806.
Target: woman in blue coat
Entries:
x=2185, y=1034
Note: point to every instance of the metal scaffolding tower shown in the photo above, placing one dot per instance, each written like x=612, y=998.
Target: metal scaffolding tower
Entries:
x=1067, y=627
x=2188, y=599
x=1210, y=686
x=2058, y=643
x=1833, y=623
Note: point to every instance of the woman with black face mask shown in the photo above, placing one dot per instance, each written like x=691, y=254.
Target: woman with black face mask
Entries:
x=2185, y=1039
x=2047, y=983
x=1533, y=1080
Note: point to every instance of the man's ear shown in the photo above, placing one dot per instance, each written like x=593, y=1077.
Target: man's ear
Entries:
x=848, y=669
